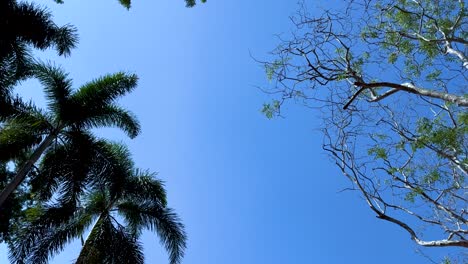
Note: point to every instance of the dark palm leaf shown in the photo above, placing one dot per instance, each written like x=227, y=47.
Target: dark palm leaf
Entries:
x=23, y=132
x=65, y=169
x=105, y=90
x=57, y=87
x=31, y=24
x=149, y=215
x=12, y=107
x=111, y=115
x=24, y=25
x=43, y=237
x=14, y=67
x=112, y=167
x=145, y=186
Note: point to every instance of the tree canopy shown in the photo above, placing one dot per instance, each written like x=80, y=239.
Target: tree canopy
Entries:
x=390, y=80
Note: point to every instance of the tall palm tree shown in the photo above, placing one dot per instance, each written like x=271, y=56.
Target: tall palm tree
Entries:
x=122, y=202
x=92, y=105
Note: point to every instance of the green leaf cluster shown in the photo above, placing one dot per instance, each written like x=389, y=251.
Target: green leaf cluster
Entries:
x=271, y=109
x=434, y=132
x=378, y=152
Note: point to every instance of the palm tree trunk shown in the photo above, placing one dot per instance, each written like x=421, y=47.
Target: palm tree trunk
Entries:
x=88, y=253
x=21, y=174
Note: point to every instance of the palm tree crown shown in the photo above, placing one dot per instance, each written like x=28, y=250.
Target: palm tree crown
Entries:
x=121, y=202
x=69, y=111
x=22, y=26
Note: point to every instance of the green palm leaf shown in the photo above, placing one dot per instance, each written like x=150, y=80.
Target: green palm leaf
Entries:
x=146, y=187
x=57, y=87
x=111, y=115
x=105, y=90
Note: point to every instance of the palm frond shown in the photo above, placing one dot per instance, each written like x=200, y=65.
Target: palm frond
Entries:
x=51, y=172
x=14, y=107
x=57, y=238
x=97, y=202
x=23, y=132
x=143, y=185
x=57, y=86
x=39, y=240
x=15, y=66
x=105, y=90
x=146, y=214
x=112, y=115
x=65, y=38
x=34, y=25
x=126, y=248
x=112, y=167
x=64, y=171
x=14, y=141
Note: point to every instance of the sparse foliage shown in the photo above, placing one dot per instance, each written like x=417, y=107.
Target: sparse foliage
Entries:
x=390, y=80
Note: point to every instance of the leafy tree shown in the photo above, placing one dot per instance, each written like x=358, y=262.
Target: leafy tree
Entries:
x=92, y=105
x=390, y=80
x=120, y=202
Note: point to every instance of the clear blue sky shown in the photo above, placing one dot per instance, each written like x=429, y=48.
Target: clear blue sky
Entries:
x=249, y=190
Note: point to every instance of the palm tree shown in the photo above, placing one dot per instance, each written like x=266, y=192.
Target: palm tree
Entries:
x=117, y=207
x=91, y=106
x=22, y=26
